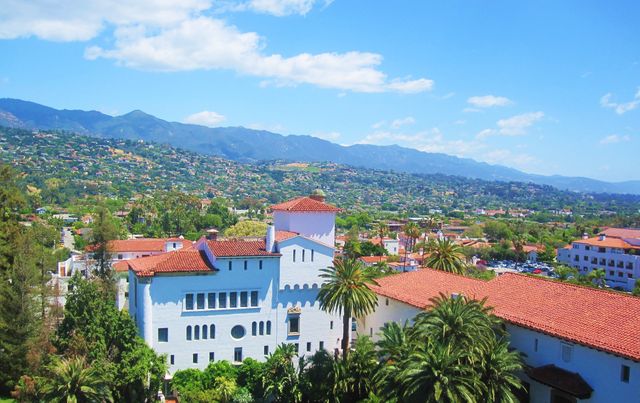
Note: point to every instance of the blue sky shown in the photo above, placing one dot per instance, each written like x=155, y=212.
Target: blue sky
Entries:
x=549, y=87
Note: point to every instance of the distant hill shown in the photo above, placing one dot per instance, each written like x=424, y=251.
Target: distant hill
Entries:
x=247, y=145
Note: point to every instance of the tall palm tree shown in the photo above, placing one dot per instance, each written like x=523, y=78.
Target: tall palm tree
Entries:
x=346, y=290
x=446, y=255
x=518, y=242
x=499, y=367
x=382, y=229
x=412, y=231
x=71, y=381
x=394, y=348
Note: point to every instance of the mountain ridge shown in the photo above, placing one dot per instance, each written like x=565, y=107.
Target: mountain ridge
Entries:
x=249, y=145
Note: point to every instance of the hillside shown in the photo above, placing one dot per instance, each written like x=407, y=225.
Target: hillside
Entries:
x=246, y=145
x=62, y=166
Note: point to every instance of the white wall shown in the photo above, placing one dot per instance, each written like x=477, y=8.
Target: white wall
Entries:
x=315, y=225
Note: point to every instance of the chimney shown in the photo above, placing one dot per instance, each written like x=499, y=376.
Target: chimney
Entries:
x=585, y=235
x=602, y=237
x=270, y=239
x=318, y=195
x=212, y=234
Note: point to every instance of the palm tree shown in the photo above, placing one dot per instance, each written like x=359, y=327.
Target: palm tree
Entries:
x=446, y=255
x=382, y=229
x=411, y=231
x=435, y=373
x=71, y=381
x=499, y=366
x=518, y=242
x=346, y=290
x=281, y=380
x=394, y=348
x=598, y=277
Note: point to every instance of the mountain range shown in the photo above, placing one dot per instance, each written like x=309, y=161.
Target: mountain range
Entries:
x=248, y=145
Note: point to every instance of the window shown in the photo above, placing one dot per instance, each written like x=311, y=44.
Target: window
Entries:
x=174, y=245
x=205, y=334
x=567, y=349
x=211, y=300
x=237, y=332
x=119, y=256
x=163, y=334
x=254, y=328
x=331, y=325
x=212, y=356
x=254, y=298
x=244, y=299
x=212, y=331
x=370, y=332
x=261, y=328
x=294, y=325
x=308, y=346
x=245, y=265
x=237, y=354
x=268, y=327
x=230, y=265
x=386, y=301
x=321, y=345
x=173, y=359
x=222, y=300
x=625, y=371
x=195, y=358
x=233, y=299
x=294, y=255
x=266, y=350
x=296, y=346
x=260, y=264
x=535, y=345
x=196, y=332
x=200, y=300
x=303, y=254
x=188, y=332
x=312, y=253
x=188, y=303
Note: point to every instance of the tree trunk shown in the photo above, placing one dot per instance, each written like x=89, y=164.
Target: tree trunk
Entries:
x=346, y=332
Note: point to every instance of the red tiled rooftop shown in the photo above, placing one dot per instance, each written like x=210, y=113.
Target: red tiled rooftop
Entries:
x=622, y=232
x=373, y=259
x=143, y=244
x=284, y=235
x=181, y=261
x=608, y=242
x=239, y=248
x=600, y=319
x=304, y=204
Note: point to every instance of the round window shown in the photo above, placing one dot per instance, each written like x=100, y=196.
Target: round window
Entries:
x=237, y=332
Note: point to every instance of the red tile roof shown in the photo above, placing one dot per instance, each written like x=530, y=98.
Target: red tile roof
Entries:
x=622, y=232
x=284, y=235
x=143, y=244
x=604, y=320
x=373, y=259
x=181, y=261
x=608, y=242
x=304, y=204
x=239, y=248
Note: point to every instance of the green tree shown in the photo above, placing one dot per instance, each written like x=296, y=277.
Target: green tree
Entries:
x=598, y=277
x=346, y=291
x=280, y=379
x=445, y=255
x=104, y=231
x=71, y=381
x=246, y=228
x=499, y=368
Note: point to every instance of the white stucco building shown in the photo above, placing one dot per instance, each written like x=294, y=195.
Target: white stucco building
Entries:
x=233, y=299
x=615, y=250
x=579, y=344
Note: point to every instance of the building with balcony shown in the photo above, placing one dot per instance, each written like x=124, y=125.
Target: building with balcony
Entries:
x=614, y=250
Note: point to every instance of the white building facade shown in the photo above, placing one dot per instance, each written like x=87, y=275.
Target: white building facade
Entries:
x=229, y=300
x=616, y=251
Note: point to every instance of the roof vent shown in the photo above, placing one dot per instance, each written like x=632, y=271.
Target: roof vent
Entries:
x=602, y=237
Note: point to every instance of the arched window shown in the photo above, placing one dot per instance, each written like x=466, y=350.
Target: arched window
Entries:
x=204, y=332
x=268, y=327
x=254, y=328
x=196, y=333
x=188, y=332
x=261, y=328
x=212, y=331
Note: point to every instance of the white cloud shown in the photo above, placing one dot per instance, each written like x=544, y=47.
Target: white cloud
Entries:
x=205, y=118
x=620, y=108
x=470, y=110
x=397, y=123
x=517, y=125
x=431, y=140
x=614, y=138
x=509, y=158
x=169, y=35
x=378, y=125
x=275, y=128
x=331, y=136
x=485, y=133
x=488, y=101
x=207, y=44
x=81, y=20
